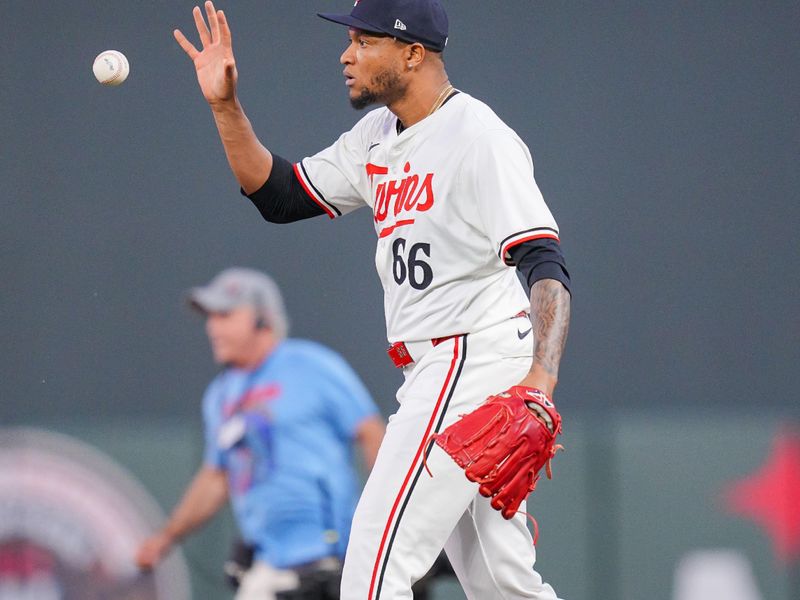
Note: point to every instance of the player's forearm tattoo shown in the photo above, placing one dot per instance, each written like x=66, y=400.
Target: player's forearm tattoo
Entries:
x=550, y=303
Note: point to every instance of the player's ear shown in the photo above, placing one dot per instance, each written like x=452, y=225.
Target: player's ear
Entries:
x=414, y=54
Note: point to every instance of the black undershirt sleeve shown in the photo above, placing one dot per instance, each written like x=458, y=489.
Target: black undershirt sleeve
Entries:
x=540, y=259
x=282, y=199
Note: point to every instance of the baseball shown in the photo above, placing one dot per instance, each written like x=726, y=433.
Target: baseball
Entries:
x=111, y=67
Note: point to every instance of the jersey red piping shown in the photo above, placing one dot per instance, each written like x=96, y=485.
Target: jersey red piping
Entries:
x=412, y=468
x=310, y=193
x=527, y=239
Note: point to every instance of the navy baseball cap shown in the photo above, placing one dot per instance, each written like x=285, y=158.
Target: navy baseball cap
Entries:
x=422, y=21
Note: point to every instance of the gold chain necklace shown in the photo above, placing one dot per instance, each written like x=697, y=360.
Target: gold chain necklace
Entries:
x=443, y=95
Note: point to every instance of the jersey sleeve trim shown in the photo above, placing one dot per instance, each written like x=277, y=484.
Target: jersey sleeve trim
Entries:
x=314, y=193
x=537, y=233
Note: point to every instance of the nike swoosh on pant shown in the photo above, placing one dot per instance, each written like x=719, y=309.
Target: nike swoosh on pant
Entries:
x=523, y=334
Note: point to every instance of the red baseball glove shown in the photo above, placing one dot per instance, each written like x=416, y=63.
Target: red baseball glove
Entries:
x=504, y=443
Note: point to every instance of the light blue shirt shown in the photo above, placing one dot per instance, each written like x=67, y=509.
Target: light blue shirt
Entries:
x=283, y=433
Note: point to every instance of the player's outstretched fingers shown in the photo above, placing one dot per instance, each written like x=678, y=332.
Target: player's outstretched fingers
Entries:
x=187, y=46
x=224, y=29
x=213, y=21
x=202, y=29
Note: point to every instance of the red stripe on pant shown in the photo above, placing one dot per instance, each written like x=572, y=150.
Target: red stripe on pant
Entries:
x=414, y=464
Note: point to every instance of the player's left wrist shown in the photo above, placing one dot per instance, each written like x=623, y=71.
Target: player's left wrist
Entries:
x=541, y=381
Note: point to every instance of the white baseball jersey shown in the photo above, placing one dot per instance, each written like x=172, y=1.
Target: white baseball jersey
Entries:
x=449, y=196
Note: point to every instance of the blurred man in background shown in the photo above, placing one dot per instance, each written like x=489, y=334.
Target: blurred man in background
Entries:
x=280, y=421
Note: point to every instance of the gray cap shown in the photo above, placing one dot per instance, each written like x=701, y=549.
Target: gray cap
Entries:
x=238, y=286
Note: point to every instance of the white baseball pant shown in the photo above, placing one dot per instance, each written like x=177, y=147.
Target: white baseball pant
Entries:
x=405, y=517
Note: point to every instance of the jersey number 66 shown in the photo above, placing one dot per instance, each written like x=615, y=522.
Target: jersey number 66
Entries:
x=417, y=271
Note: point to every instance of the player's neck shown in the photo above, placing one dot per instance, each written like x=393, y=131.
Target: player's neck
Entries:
x=422, y=101
x=257, y=354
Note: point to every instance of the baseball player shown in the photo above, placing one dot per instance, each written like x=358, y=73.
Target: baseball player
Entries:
x=280, y=420
x=456, y=211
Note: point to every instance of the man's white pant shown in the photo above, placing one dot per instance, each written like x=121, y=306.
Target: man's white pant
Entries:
x=405, y=517
x=262, y=582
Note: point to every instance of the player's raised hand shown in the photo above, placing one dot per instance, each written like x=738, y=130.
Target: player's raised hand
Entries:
x=214, y=64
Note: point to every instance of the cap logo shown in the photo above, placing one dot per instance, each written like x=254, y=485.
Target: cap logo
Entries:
x=398, y=24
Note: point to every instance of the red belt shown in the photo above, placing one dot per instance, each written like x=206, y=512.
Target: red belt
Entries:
x=400, y=355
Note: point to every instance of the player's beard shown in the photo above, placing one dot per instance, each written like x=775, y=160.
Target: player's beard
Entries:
x=385, y=88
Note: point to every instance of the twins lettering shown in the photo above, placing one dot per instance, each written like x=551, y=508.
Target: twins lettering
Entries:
x=393, y=197
x=396, y=201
